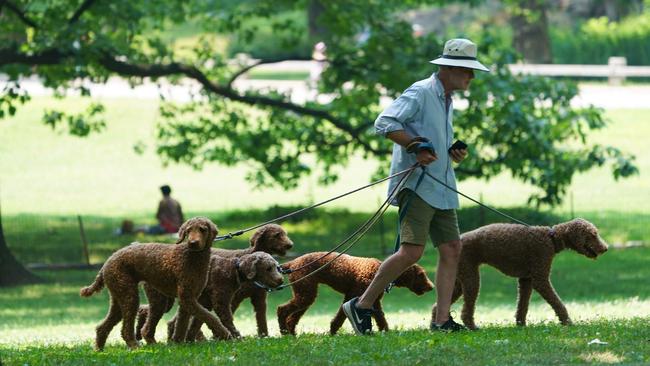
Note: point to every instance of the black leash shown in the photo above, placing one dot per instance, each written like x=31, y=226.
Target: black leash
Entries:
x=358, y=233
x=240, y=232
x=475, y=201
x=362, y=227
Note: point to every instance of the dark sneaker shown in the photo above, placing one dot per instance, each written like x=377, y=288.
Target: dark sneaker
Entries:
x=449, y=326
x=359, y=318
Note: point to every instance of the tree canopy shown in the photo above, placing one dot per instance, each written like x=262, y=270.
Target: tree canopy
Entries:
x=523, y=125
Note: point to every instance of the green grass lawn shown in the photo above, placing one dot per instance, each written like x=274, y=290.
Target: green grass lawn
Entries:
x=48, y=179
x=607, y=298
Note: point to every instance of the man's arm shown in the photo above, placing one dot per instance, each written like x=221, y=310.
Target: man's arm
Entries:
x=402, y=138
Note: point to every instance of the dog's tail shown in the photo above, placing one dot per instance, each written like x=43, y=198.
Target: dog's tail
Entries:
x=94, y=287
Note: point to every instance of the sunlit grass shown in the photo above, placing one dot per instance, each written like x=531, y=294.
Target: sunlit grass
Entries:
x=103, y=175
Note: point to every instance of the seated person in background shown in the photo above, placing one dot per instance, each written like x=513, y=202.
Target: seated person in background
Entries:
x=169, y=214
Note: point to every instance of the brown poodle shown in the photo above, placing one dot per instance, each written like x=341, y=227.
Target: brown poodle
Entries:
x=348, y=275
x=173, y=270
x=525, y=253
x=271, y=239
x=227, y=276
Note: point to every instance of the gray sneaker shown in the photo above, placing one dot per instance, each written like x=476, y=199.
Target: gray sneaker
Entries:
x=359, y=318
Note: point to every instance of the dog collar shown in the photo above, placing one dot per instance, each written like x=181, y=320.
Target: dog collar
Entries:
x=557, y=243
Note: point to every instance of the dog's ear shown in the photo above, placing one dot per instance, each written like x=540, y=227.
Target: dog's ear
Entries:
x=248, y=265
x=182, y=232
x=214, y=230
x=257, y=236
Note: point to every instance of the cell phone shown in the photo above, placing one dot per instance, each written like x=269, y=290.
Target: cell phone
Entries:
x=458, y=145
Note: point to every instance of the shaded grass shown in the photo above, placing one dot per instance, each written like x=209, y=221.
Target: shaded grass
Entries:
x=56, y=239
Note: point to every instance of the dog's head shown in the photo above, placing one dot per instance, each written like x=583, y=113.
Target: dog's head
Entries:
x=262, y=268
x=271, y=239
x=199, y=233
x=415, y=279
x=582, y=236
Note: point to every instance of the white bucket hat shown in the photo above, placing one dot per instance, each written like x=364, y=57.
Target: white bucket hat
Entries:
x=460, y=52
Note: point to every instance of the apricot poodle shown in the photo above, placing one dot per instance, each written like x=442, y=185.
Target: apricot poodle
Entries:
x=173, y=270
x=348, y=275
x=525, y=253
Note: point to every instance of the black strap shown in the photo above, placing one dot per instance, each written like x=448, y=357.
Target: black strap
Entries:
x=459, y=57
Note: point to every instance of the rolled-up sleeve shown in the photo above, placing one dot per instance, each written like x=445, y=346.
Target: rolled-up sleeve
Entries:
x=402, y=111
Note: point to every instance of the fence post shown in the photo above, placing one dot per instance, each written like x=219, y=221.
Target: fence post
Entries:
x=84, y=242
x=616, y=65
x=481, y=211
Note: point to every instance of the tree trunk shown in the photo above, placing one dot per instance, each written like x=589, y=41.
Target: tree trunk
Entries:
x=316, y=29
x=615, y=10
x=530, y=25
x=12, y=272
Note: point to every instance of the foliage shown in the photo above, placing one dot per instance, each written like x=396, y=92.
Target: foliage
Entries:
x=597, y=39
x=522, y=125
x=284, y=36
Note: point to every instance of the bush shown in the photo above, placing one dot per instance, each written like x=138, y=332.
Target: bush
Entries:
x=597, y=39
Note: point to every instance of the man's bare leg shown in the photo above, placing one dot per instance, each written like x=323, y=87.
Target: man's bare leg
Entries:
x=390, y=269
x=449, y=255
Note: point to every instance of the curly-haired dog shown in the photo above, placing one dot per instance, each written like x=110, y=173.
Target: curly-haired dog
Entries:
x=525, y=253
x=348, y=275
x=173, y=270
x=271, y=239
x=227, y=276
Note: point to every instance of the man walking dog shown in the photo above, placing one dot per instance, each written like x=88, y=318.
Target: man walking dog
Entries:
x=419, y=123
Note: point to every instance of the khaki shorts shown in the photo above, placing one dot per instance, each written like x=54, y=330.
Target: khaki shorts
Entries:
x=421, y=220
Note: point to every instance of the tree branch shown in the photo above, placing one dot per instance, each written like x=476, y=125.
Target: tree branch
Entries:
x=19, y=13
x=48, y=57
x=123, y=68
x=110, y=63
x=259, y=62
x=77, y=14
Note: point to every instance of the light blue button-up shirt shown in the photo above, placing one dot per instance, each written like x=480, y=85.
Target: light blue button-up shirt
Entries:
x=421, y=111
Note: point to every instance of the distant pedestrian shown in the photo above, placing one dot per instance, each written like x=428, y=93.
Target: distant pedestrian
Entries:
x=169, y=214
